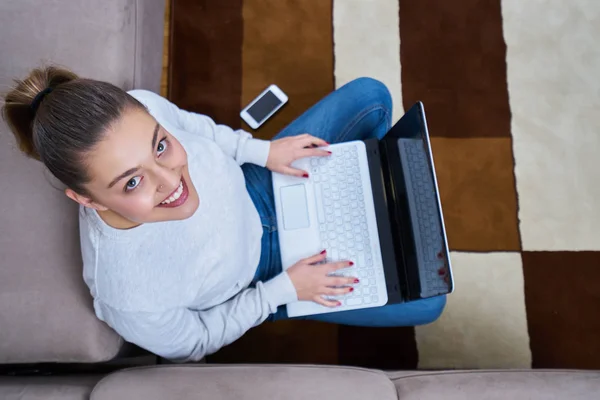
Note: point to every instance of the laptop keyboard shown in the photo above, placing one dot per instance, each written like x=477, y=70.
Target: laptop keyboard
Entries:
x=344, y=226
x=424, y=216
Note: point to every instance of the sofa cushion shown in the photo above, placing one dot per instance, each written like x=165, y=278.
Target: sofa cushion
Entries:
x=243, y=382
x=498, y=385
x=46, y=310
x=47, y=388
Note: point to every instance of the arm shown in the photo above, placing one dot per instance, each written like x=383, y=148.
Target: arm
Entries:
x=238, y=144
x=187, y=335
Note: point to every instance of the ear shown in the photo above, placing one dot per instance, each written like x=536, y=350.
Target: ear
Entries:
x=84, y=200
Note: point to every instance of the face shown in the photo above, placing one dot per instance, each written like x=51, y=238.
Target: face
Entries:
x=139, y=174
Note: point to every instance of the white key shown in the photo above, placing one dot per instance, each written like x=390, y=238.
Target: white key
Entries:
x=354, y=301
x=334, y=255
x=367, y=299
x=320, y=210
x=375, y=299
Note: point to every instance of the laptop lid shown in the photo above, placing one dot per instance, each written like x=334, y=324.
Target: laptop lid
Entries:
x=415, y=207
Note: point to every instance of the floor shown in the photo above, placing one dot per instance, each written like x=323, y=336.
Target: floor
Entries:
x=512, y=96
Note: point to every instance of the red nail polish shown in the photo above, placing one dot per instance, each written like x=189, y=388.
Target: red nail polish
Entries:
x=351, y=289
x=327, y=143
x=305, y=175
x=329, y=152
x=324, y=251
x=439, y=255
x=441, y=272
x=356, y=281
x=339, y=304
x=350, y=263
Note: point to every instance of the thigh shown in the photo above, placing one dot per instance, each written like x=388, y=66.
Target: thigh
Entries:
x=358, y=110
x=405, y=314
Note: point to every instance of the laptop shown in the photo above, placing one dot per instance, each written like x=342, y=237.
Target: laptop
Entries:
x=373, y=202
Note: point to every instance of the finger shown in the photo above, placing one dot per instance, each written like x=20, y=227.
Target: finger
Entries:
x=314, y=153
x=334, y=266
x=327, y=303
x=294, y=172
x=338, y=291
x=333, y=281
x=316, y=258
x=309, y=140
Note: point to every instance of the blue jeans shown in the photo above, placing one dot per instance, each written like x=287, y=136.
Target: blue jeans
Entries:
x=361, y=109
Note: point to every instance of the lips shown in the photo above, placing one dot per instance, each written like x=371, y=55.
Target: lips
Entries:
x=178, y=197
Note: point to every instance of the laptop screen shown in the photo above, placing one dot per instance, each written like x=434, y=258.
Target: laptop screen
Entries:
x=417, y=219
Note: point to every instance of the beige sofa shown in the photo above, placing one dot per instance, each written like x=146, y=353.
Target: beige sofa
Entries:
x=51, y=344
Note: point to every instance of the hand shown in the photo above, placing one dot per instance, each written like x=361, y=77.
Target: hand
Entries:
x=312, y=281
x=286, y=150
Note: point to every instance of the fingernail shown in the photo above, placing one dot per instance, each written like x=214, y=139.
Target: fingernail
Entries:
x=329, y=152
x=305, y=175
x=338, y=304
x=350, y=263
x=327, y=143
x=324, y=251
x=351, y=289
x=439, y=255
x=356, y=280
x=441, y=271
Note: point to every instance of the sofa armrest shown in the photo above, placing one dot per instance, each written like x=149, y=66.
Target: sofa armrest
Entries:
x=498, y=385
x=258, y=382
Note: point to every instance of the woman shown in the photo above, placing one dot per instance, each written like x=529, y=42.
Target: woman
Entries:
x=177, y=222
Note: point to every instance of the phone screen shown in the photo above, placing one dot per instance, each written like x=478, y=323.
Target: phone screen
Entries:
x=264, y=106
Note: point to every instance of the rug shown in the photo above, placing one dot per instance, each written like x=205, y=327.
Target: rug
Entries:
x=512, y=93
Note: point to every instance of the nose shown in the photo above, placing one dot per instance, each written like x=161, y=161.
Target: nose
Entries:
x=167, y=179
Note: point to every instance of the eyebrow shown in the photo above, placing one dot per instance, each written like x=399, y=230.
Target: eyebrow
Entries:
x=134, y=170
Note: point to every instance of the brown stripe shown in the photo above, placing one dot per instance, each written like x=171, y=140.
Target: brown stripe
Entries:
x=453, y=59
x=206, y=62
x=290, y=342
x=478, y=192
x=563, y=304
x=382, y=348
x=290, y=44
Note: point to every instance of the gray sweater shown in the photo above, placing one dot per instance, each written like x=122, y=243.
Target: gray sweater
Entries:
x=180, y=288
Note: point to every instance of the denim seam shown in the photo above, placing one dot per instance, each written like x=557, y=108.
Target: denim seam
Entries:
x=360, y=116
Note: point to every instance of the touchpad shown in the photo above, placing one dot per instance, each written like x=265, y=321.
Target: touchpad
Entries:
x=294, y=207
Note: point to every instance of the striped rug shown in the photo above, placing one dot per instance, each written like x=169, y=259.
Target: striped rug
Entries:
x=512, y=93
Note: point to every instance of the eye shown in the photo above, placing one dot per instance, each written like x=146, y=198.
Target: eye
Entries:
x=133, y=183
x=162, y=146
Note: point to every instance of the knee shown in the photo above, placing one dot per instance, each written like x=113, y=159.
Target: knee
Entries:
x=432, y=309
x=375, y=90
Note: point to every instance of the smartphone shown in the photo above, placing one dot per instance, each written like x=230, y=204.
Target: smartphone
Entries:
x=263, y=106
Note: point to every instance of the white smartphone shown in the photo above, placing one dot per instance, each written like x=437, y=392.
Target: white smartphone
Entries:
x=263, y=106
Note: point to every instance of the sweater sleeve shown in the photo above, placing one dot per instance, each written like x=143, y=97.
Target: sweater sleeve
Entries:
x=188, y=335
x=238, y=144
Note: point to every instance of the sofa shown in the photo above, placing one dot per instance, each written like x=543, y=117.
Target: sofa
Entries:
x=51, y=344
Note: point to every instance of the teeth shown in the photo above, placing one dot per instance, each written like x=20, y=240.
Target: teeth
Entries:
x=175, y=195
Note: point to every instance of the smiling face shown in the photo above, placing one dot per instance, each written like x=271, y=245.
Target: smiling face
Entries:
x=139, y=174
